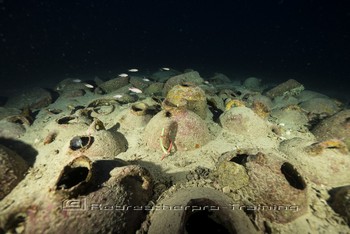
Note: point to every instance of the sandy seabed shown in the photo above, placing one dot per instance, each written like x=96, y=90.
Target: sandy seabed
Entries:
x=259, y=155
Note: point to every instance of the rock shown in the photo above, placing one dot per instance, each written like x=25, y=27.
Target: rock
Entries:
x=125, y=97
x=114, y=84
x=12, y=170
x=262, y=99
x=231, y=175
x=11, y=130
x=226, y=189
x=336, y=126
x=34, y=98
x=139, y=83
x=98, y=81
x=289, y=88
x=73, y=93
x=191, y=76
x=69, y=84
x=292, y=117
x=340, y=201
x=195, y=98
x=70, y=89
x=244, y=121
x=163, y=76
x=283, y=102
x=6, y=112
x=219, y=78
x=308, y=94
x=253, y=83
x=216, y=101
x=320, y=106
x=154, y=88
x=209, y=89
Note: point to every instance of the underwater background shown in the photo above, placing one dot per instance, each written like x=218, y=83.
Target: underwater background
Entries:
x=43, y=42
x=148, y=117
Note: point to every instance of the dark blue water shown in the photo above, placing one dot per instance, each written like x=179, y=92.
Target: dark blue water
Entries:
x=42, y=42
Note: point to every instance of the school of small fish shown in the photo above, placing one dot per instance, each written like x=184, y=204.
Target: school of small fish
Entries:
x=135, y=90
x=131, y=89
x=118, y=96
x=123, y=75
x=89, y=86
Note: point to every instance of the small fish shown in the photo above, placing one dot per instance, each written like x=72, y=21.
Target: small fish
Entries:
x=118, y=96
x=135, y=90
x=165, y=69
x=123, y=75
x=133, y=70
x=76, y=80
x=206, y=82
x=145, y=79
x=89, y=86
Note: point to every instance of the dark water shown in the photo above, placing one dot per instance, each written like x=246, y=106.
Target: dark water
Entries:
x=42, y=42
